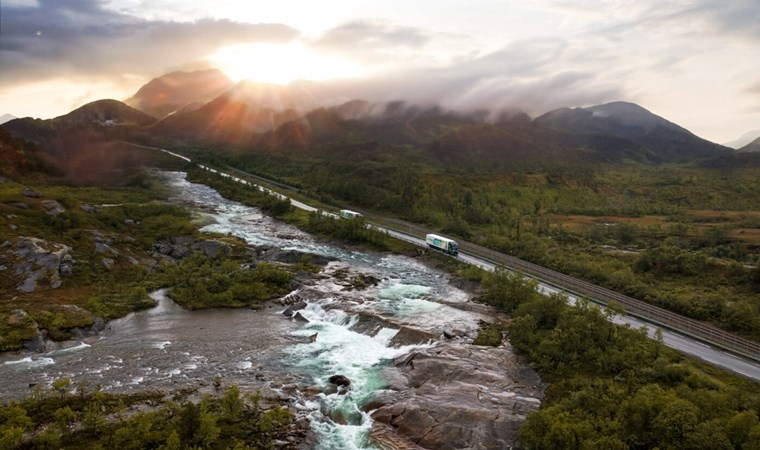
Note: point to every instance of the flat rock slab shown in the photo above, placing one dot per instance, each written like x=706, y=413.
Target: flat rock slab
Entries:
x=460, y=396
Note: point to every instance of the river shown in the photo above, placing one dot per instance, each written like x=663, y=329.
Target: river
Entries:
x=167, y=347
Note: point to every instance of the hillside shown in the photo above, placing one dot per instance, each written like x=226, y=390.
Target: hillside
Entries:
x=664, y=140
x=19, y=158
x=179, y=90
x=753, y=147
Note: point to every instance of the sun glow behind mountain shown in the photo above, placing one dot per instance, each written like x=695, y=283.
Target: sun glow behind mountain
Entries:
x=280, y=63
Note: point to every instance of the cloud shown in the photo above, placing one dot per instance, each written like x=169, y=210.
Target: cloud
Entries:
x=371, y=35
x=529, y=75
x=82, y=39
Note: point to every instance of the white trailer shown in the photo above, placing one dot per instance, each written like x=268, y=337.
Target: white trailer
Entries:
x=443, y=244
x=348, y=214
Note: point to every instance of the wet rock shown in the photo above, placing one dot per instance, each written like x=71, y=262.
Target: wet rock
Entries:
x=299, y=306
x=300, y=318
x=37, y=344
x=288, y=312
x=410, y=336
x=339, y=380
x=26, y=192
x=313, y=337
x=451, y=333
x=39, y=261
x=53, y=208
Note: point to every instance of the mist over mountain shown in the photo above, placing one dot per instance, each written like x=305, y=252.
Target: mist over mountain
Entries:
x=179, y=90
x=752, y=147
x=253, y=116
x=743, y=140
x=6, y=118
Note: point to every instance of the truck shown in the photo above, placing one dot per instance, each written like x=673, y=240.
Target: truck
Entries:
x=443, y=244
x=348, y=214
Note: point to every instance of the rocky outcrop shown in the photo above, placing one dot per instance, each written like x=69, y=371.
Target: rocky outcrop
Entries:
x=183, y=246
x=455, y=396
x=41, y=263
x=295, y=257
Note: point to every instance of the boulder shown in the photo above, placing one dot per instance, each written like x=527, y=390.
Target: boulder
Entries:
x=339, y=380
x=212, y=248
x=105, y=248
x=108, y=262
x=288, y=312
x=300, y=318
x=52, y=207
x=39, y=261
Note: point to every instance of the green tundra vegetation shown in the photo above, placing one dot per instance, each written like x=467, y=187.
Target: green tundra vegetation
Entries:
x=686, y=238
x=93, y=419
x=614, y=388
x=112, y=231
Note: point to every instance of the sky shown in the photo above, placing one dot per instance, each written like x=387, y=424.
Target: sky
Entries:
x=694, y=62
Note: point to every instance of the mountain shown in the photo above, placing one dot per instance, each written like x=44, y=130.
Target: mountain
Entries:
x=99, y=120
x=664, y=140
x=239, y=115
x=753, y=147
x=745, y=139
x=179, y=90
x=6, y=118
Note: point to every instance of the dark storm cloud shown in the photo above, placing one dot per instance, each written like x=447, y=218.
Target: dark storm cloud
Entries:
x=81, y=38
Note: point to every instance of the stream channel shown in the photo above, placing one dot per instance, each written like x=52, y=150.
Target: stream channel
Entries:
x=167, y=347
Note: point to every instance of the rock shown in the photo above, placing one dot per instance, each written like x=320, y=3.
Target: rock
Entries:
x=313, y=337
x=104, y=248
x=13, y=227
x=212, y=248
x=19, y=205
x=288, y=312
x=3, y=180
x=339, y=380
x=52, y=207
x=37, y=344
x=299, y=306
x=451, y=333
x=89, y=208
x=108, y=262
x=129, y=222
x=132, y=260
x=460, y=396
x=295, y=257
x=3, y=267
x=26, y=192
x=40, y=261
x=410, y=336
x=300, y=318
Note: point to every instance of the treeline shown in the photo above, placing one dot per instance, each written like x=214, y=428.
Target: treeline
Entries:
x=97, y=419
x=614, y=388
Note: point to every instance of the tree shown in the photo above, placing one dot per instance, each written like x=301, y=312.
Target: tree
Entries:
x=62, y=385
x=232, y=404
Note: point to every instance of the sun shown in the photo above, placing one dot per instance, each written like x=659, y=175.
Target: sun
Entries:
x=280, y=63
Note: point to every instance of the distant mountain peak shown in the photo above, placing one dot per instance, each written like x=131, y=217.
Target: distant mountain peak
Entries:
x=177, y=90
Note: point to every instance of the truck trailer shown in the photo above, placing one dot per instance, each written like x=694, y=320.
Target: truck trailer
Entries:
x=348, y=214
x=443, y=244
